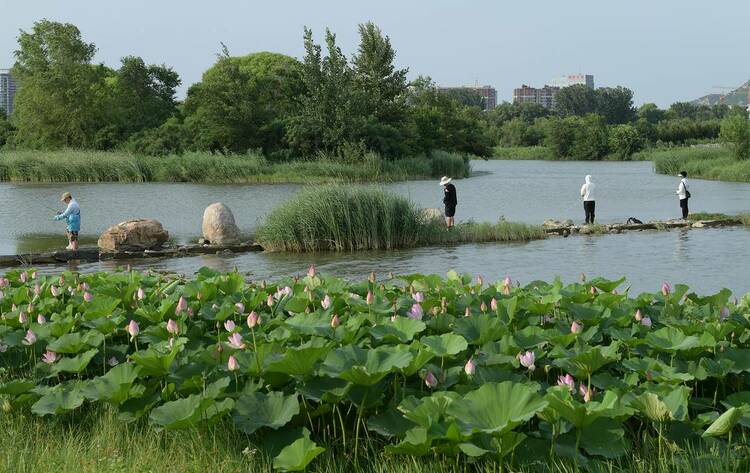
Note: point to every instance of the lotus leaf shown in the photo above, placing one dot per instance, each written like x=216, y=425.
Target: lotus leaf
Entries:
x=298, y=455
x=255, y=410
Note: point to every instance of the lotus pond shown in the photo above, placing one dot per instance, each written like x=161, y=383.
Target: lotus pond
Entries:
x=579, y=374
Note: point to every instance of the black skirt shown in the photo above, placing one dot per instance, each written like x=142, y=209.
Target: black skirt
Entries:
x=450, y=210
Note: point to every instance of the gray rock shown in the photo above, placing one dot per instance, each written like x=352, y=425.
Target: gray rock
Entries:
x=133, y=235
x=218, y=225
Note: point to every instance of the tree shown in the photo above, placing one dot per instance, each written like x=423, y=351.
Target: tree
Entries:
x=60, y=101
x=615, y=104
x=576, y=100
x=651, y=113
x=560, y=135
x=243, y=103
x=465, y=96
x=735, y=131
x=624, y=140
x=6, y=131
x=591, y=138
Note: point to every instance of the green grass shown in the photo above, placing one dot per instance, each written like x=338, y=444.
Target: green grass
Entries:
x=522, y=152
x=705, y=163
x=348, y=218
x=94, y=166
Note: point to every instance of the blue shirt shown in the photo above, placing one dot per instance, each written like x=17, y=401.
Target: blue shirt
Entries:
x=72, y=216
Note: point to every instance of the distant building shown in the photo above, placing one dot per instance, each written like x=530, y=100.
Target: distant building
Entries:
x=486, y=92
x=545, y=96
x=573, y=79
x=7, y=91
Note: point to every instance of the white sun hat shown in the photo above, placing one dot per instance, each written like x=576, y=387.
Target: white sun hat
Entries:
x=445, y=180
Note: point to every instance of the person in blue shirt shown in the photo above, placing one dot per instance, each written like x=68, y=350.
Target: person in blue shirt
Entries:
x=72, y=217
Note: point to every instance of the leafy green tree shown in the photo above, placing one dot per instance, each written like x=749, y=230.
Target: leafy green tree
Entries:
x=61, y=97
x=615, y=104
x=560, y=135
x=518, y=132
x=624, y=140
x=576, y=100
x=7, y=131
x=591, y=138
x=651, y=113
x=735, y=131
x=172, y=137
x=465, y=96
x=243, y=103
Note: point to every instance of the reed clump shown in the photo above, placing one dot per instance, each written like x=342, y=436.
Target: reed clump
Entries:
x=716, y=163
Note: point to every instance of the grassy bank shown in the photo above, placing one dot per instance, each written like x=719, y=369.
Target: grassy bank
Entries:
x=522, y=152
x=345, y=218
x=704, y=163
x=92, y=166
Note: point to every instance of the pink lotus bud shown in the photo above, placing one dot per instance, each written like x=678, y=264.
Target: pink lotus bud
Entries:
x=269, y=301
x=586, y=392
x=575, y=327
x=326, y=302
x=84, y=286
x=30, y=338
x=483, y=307
x=182, y=306
x=480, y=280
x=172, y=327
x=467, y=311
x=470, y=367
x=4, y=282
x=30, y=308
x=583, y=277
x=232, y=364
x=199, y=296
x=87, y=297
x=335, y=322
x=190, y=312
x=638, y=315
x=235, y=341
x=416, y=312
x=311, y=271
x=568, y=381
x=506, y=286
x=527, y=360
x=430, y=380
x=547, y=319
x=593, y=290
x=666, y=289
x=493, y=304
x=418, y=297
x=22, y=319
x=61, y=280
x=372, y=278
x=724, y=313
x=37, y=289
x=229, y=325
x=615, y=292
x=253, y=319
x=240, y=307
x=370, y=298
x=646, y=322
x=24, y=277
x=40, y=319
x=33, y=275
x=133, y=329
x=113, y=361
x=49, y=357
x=140, y=294
x=55, y=291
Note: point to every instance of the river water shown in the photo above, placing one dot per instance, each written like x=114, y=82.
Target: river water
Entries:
x=529, y=191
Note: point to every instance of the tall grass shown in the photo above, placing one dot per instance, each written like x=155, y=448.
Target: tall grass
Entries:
x=96, y=166
x=348, y=218
x=96, y=442
x=706, y=163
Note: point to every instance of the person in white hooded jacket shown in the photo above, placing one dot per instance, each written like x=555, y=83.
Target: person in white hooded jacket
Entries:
x=683, y=194
x=589, y=204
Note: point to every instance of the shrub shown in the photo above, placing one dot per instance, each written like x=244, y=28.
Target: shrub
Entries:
x=624, y=141
x=735, y=131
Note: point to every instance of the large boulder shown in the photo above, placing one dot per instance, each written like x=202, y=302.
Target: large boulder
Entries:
x=550, y=223
x=218, y=225
x=133, y=235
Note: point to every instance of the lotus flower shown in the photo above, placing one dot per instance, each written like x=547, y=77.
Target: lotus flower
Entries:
x=470, y=367
x=665, y=289
x=140, y=294
x=646, y=322
x=372, y=278
x=493, y=304
x=527, y=360
x=311, y=271
x=547, y=319
x=430, y=380
x=253, y=319
x=467, y=311
x=240, y=307
x=113, y=361
x=483, y=307
x=24, y=277
x=3, y=348
x=172, y=327
x=583, y=277
x=84, y=286
x=49, y=357
x=586, y=392
x=40, y=319
x=283, y=291
x=33, y=275
x=232, y=364
x=87, y=297
x=335, y=322
x=133, y=329
x=575, y=327
x=30, y=308
x=229, y=325
x=37, y=289
x=199, y=296
x=4, y=282
x=593, y=291
x=22, y=319
x=370, y=298
x=182, y=306
x=724, y=313
x=235, y=341
x=61, y=280
x=638, y=315
x=55, y=291
x=326, y=302
x=416, y=312
x=568, y=381
x=480, y=281
x=269, y=301
x=418, y=297
x=30, y=338
x=506, y=285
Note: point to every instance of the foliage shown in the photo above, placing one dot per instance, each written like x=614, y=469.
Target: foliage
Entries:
x=624, y=141
x=735, y=131
x=578, y=100
x=522, y=152
x=426, y=366
x=699, y=162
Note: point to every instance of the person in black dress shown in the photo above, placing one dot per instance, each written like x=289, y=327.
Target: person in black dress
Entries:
x=449, y=199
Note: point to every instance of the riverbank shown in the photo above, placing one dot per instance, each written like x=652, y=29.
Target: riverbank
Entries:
x=202, y=167
x=714, y=163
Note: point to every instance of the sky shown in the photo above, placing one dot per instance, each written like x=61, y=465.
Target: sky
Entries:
x=664, y=50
